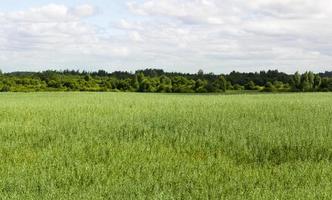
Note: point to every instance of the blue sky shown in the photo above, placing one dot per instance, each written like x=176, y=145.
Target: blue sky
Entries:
x=177, y=35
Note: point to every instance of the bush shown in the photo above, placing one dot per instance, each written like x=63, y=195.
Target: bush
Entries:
x=238, y=87
x=5, y=88
x=269, y=87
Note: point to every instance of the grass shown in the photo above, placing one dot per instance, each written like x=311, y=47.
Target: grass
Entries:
x=159, y=146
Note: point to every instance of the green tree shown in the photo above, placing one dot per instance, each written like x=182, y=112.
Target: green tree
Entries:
x=5, y=88
x=326, y=84
x=311, y=78
x=54, y=84
x=297, y=80
x=140, y=77
x=269, y=87
x=223, y=83
x=88, y=77
x=251, y=85
x=135, y=83
x=200, y=73
x=165, y=84
x=71, y=85
x=181, y=84
x=200, y=86
x=124, y=85
x=305, y=84
x=238, y=87
x=147, y=86
x=278, y=85
x=229, y=85
x=220, y=84
x=317, y=81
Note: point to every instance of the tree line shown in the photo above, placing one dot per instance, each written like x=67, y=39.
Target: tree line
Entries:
x=159, y=81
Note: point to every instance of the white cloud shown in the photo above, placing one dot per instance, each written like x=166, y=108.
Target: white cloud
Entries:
x=53, y=35
x=181, y=35
x=136, y=36
x=279, y=33
x=84, y=10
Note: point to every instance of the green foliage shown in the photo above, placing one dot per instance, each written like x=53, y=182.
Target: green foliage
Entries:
x=88, y=78
x=154, y=80
x=297, y=81
x=200, y=73
x=165, y=84
x=305, y=83
x=308, y=82
x=201, y=86
x=326, y=85
x=54, y=84
x=238, y=87
x=251, y=86
x=135, y=83
x=317, y=82
x=5, y=88
x=229, y=86
x=146, y=86
x=183, y=85
x=311, y=77
x=269, y=87
x=221, y=84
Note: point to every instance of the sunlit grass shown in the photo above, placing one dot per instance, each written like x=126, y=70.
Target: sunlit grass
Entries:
x=158, y=146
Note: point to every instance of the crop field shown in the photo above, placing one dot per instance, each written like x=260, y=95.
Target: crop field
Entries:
x=165, y=146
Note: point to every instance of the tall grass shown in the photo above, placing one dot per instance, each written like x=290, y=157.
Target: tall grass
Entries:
x=158, y=146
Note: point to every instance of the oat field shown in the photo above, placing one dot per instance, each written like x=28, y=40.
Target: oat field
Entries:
x=165, y=146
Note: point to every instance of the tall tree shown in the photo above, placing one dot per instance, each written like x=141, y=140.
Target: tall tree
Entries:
x=165, y=84
x=135, y=83
x=297, y=80
x=140, y=77
x=223, y=83
x=200, y=73
x=311, y=78
x=251, y=85
x=305, y=84
x=317, y=81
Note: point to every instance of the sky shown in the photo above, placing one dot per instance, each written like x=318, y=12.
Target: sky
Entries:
x=176, y=35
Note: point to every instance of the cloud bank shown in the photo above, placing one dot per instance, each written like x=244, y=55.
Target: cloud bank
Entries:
x=53, y=35
x=178, y=35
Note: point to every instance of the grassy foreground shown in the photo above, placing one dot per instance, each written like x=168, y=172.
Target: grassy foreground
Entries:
x=158, y=146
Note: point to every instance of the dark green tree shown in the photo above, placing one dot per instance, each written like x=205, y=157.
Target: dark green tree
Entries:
x=297, y=80
x=147, y=86
x=305, y=83
x=269, y=87
x=311, y=78
x=223, y=83
x=165, y=84
x=229, y=85
x=140, y=77
x=238, y=87
x=250, y=85
x=317, y=82
x=135, y=83
x=200, y=73
x=200, y=86
x=278, y=85
x=326, y=84
x=88, y=77
x=5, y=88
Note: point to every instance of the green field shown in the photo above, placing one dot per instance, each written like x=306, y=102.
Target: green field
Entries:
x=159, y=146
